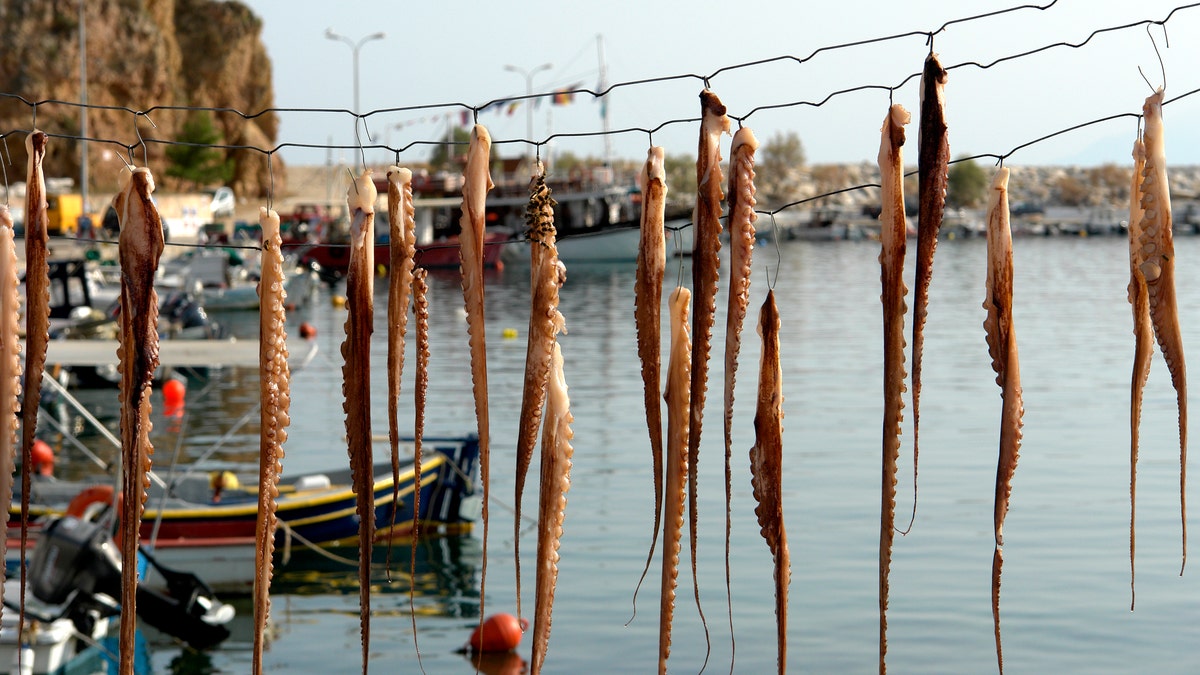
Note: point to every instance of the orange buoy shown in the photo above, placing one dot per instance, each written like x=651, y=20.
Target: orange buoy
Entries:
x=42, y=457
x=499, y=633
x=173, y=392
x=308, y=331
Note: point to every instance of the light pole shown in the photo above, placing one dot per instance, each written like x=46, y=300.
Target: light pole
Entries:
x=528, y=74
x=354, y=48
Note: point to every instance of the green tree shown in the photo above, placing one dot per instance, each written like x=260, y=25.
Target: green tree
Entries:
x=967, y=184
x=195, y=160
x=454, y=144
x=780, y=176
x=681, y=179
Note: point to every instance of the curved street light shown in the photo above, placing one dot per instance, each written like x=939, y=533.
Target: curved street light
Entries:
x=528, y=74
x=354, y=48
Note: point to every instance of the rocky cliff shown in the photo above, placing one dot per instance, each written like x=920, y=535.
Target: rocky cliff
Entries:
x=141, y=54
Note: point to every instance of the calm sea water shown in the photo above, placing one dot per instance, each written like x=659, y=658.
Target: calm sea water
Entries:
x=1066, y=591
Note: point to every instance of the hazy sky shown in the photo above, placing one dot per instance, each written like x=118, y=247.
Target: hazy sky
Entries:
x=455, y=52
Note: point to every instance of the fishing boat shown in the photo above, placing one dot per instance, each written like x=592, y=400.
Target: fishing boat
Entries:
x=205, y=521
x=72, y=600
x=224, y=282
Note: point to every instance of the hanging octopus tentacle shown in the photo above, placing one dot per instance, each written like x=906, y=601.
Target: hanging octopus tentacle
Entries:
x=1158, y=269
x=547, y=276
x=647, y=298
x=356, y=384
x=893, y=230
x=1002, y=347
x=275, y=394
x=1143, y=343
x=139, y=250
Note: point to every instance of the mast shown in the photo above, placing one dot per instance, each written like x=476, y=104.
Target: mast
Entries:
x=83, y=109
x=604, y=111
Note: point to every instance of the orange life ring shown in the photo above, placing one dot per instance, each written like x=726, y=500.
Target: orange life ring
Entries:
x=80, y=505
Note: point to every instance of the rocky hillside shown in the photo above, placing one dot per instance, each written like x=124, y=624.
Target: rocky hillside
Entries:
x=140, y=54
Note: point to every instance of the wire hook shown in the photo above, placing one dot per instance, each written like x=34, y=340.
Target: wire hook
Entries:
x=362, y=154
x=270, y=182
x=4, y=169
x=778, y=253
x=677, y=237
x=141, y=141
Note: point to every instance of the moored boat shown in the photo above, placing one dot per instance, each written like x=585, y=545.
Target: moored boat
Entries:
x=205, y=522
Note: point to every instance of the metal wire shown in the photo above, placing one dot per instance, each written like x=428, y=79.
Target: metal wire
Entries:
x=704, y=79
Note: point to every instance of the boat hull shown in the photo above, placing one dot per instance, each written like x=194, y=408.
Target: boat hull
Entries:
x=333, y=260
x=215, y=538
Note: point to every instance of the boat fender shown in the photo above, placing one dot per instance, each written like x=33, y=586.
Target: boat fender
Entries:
x=499, y=633
x=316, y=481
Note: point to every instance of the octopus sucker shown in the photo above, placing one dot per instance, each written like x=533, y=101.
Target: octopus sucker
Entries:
x=647, y=314
x=547, y=276
x=10, y=366
x=706, y=265
x=1143, y=349
x=420, y=293
x=766, y=465
x=275, y=394
x=678, y=396
x=401, y=252
x=933, y=161
x=1158, y=269
x=139, y=249
x=356, y=383
x=741, y=252
x=1002, y=347
x=477, y=181
x=37, y=325
x=892, y=237
x=552, y=502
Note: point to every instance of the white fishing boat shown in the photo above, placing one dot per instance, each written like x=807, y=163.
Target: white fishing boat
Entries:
x=225, y=283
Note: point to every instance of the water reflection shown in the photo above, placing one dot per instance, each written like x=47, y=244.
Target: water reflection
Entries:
x=444, y=578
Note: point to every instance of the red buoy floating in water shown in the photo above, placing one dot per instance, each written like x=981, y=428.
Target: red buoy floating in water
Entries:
x=173, y=392
x=499, y=633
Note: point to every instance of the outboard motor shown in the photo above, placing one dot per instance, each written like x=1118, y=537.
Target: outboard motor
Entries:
x=77, y=563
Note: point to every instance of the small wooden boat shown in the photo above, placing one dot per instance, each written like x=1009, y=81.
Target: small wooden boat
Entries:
x=204, y=522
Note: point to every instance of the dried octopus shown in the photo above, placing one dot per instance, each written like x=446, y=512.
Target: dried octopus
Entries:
x=139, y=249
x=1143, y=341
x=706, y=263
x=10, y=366
x=1002, y=347
x=678, y=397
x=547, y=276
x=766, y=466
x=647, y=315
x=476, y=183
x=893, y=231
x=420, y=293
x=1158, y=269
x=741, y=249
x=274, y=390
x=401, y=222
x=356, y=383
x=933, y=160
x=552, y=502
x=37, y=324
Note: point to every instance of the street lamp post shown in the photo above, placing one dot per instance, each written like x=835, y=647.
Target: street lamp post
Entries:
x=528, y=74
x=354, y=48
